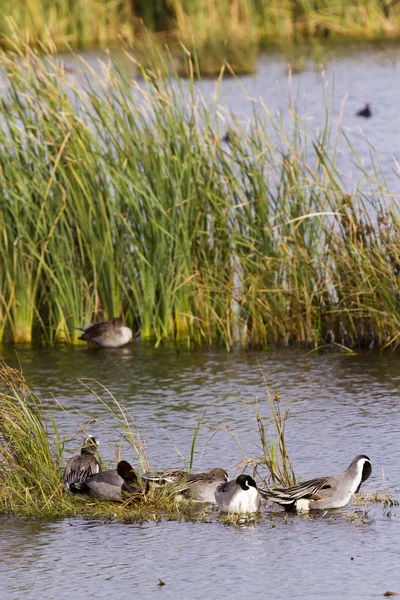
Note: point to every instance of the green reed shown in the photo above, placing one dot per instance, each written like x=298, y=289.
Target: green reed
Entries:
x=99, y=21
x=274, y=456
x=69, y=23
x=123, y=199
x=29, y=465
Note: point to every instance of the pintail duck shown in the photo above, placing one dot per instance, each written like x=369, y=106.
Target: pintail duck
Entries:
x=83, y=465
x=238, y=496
x=365, y=112
x=324, y=492
x=110, y=485
x=198, y=487
x=107, y=334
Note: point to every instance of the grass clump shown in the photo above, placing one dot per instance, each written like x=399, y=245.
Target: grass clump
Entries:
x=68, y=23
x=275, y=457
x=29, y=465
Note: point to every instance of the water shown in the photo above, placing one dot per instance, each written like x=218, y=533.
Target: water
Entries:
x=340, y=406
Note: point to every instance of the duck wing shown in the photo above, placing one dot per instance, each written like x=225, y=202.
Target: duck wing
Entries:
x=96, y=330
x=163, y=477
x=321, y=486
x=79, y=468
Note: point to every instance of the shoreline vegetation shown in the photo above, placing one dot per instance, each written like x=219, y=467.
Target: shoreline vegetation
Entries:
x=215, y=30
x=32, y=460
x=124, y=198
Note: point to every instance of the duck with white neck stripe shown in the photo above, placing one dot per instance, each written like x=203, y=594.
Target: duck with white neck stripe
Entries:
x=238, y=496
x=323, y=493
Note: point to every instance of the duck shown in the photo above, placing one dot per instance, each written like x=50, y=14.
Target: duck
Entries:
x=240, y=496
x=107, y=334
x=323, y=493
x=163, y=477
x=365, y=112
x=83, y=465
x=197, y=487
x=227, y=138
x=111, y=484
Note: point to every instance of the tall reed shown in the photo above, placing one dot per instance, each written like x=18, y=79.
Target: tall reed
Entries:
x=123, y=199
x=68, y=23
x=30, y=464
x=79, y=22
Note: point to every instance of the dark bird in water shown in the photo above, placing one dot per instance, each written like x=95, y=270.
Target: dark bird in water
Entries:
x=230, y=137
x=330, y=337
x=107, y=334
x=324, y=492
x=110, y=485
x=365, y=112
x=83, y=465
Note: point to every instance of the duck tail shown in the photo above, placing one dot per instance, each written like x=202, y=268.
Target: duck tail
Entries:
x=78, y=487
x=278, y=496
x=266, y=493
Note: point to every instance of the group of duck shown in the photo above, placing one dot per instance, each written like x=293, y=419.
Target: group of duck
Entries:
x=241, y=495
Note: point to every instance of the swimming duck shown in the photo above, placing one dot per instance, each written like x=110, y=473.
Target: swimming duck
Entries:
x=107, y=334
x=324, y=492
x=238, y=496
x=365, y=112
x=198, y=487
x=83, y=465
x=110, y=485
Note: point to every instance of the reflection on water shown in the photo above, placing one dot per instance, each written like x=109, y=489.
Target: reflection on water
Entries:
x=340, y=406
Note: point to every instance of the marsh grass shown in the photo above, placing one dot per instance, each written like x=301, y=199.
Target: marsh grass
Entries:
x=274, y=456
x=367, y=498
x=30, y=467
x=214, y=30
x=76, y=23
x=123, y=198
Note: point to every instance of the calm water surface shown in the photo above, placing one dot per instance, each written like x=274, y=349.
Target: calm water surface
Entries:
x=340, y=406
